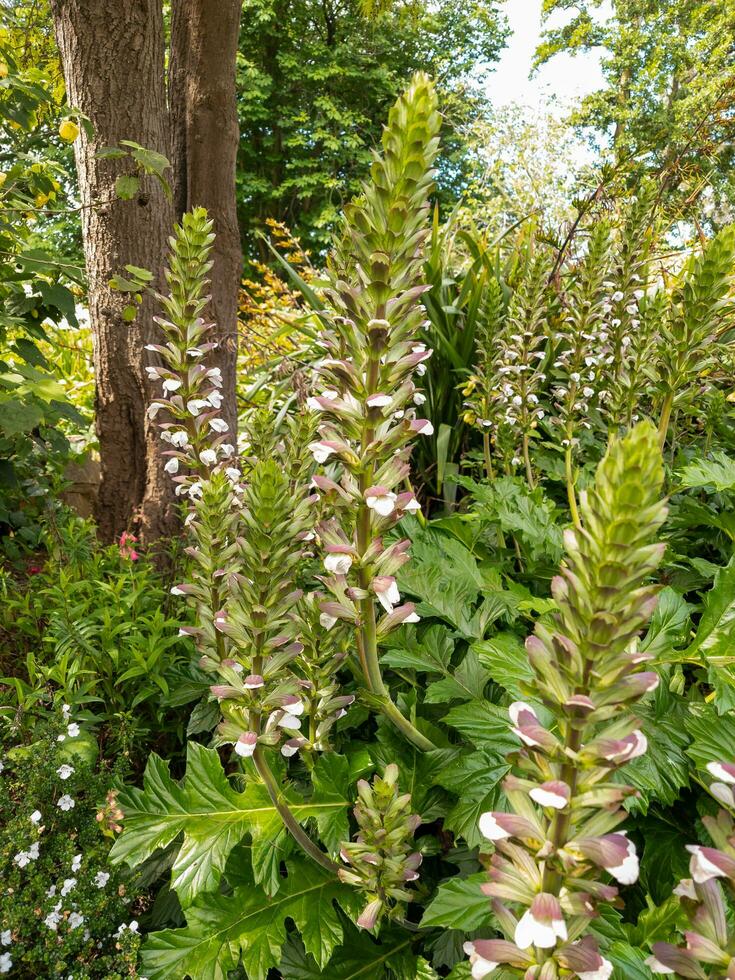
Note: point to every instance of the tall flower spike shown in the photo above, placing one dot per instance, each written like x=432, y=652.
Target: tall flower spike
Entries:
x=367, y=408
x=700, y=310
x=249, y=541
x=483, y=409
x=519, y=363
x=550, y=851
x=579, y=357
x=626, y=341
x=709, y=950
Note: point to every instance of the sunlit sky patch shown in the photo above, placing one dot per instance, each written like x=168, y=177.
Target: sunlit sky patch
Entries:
x=564, y=79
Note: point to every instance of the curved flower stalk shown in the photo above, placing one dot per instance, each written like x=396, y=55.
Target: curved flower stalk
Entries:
x=710, y=945
x=519, y=363
x=582, y=339
x=382, y=859
x=701, y=308
x=368, y=405
x=562, y=832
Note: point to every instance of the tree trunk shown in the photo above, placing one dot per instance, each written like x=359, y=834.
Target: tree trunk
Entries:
x=112, y=55
x=205, y=136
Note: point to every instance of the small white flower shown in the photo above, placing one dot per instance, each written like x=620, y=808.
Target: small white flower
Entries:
x=63, y=772
x=22, y=858
x=66, y=802
x=412, y=618
x=246, y=744
x=69, y=885
x=419, y=398
x=338, y=564
x=725, y=774
x=171, y=384
x=388, y=594
x=378, y=401
x=215, y=399
x=179, y=438
x=6, y=962
x=532, y=932
x=233, y=473
x=73, y=730
x=76, y=862
x=33, y=851
x=195, y=405
x=208, y=457
x=6, y=937
x=412, y=507
x=218, y=425
x=65, y=710
x=101, y=879
x=36, y=816
x=289, y=721
x=382, y=503
x=490, y=828
x=2, y=766
x=617, y=296
x=480, y=966
x=52, y=921
x=545, y=797
x=172, y=466
x=75, y=920
x=320, y=451
x=627, y=871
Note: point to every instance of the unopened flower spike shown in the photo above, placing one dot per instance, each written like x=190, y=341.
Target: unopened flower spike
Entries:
x=382, y=861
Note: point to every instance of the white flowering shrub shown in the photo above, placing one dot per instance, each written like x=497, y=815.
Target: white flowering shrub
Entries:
x=65, y=910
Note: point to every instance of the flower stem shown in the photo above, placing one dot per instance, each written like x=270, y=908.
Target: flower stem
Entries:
x=571, y=494
x=527, y=461
x=289, y=820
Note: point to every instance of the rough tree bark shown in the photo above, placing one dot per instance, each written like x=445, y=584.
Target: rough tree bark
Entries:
x=113, y=56
x=205, y=134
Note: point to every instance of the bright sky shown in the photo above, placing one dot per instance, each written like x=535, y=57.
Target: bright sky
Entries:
x=564, y=78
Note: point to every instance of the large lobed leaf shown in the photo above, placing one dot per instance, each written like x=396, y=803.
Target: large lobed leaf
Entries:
x=249, y=926
x=213, y=818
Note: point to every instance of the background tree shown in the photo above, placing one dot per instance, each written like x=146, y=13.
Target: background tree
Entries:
x=113, y=57
x=669, y=102
x=315, y=81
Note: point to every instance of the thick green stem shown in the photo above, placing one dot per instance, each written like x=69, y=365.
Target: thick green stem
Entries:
x=571, y=493
x=489, y=472
x=289, y=820
x=527, y=462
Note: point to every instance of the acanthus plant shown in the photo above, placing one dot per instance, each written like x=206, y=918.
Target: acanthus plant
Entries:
x=368, y=406
x=562, y=835
x=274, y=651
x=710, y=943
x=251, y=538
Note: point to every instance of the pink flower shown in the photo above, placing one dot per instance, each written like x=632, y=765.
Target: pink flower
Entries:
x=125, y=544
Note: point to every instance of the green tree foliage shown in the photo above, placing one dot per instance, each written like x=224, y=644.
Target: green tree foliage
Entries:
x=316, y=81
x=670, y=94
